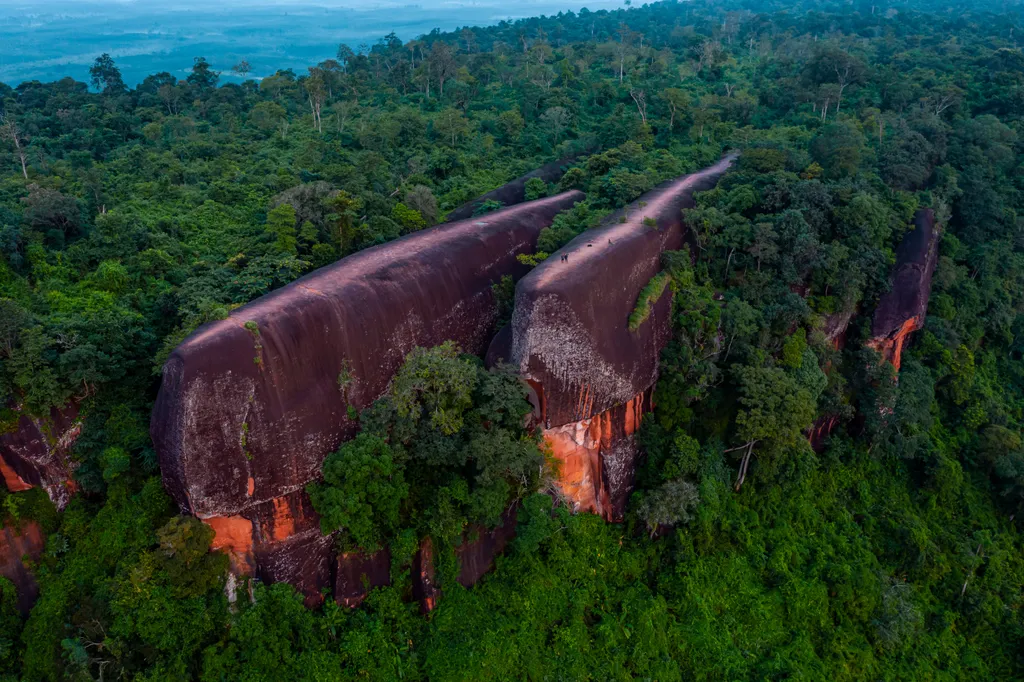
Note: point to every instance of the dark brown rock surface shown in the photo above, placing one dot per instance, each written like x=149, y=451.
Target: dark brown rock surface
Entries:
x=251, y=405
x=357, y=573
x=38, y=454
x=570, y=334
x=902, y=309
x=590, y=376
x=18, y=543
x=513, y=192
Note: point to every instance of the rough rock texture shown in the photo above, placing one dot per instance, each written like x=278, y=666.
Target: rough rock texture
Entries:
x=597, y=457
x=424, y=582
x=513, y=192
x=481, y=546
x=476, y=554
x=16, y=544
x=589, y=375
x=357, y=573
x=820, y=430
x=835, y=328
x=250, y=406
x=246, y=415
x=278, y=540
x=902, y=309
x=570, y=336
x=37, y=453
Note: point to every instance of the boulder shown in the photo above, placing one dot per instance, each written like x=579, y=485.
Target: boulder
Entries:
x=588, y=372
x=251, y=405
x=357, y=573
x=901, y=311
x=37, y=453
x=17, y=543
x=513, y=192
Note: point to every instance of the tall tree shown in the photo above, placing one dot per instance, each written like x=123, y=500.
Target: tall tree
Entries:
x=106, y=77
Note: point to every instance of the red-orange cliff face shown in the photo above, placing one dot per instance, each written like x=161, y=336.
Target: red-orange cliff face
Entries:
x=37, y=454
x=250, y=406
x=901, y=311
x=571, y=340
x=597, y=458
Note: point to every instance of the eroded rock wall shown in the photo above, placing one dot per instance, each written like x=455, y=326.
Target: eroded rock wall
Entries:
x=571, y=342
x=250, y=406
x=901, y=311
x=597, y=457
x=18, y=543
x=37, y=453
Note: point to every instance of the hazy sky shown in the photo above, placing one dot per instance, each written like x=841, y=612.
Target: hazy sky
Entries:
x=49, y=39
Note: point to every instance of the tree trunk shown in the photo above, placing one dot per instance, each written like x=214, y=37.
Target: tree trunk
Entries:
x=744, y=464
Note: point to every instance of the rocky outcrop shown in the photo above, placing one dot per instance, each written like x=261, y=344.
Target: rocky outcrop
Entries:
x=587, y=370
x=514, y=192
x=480, y=547
x=901, y=311
x=357, y=573
x=18, y=543
x=37, y=453
x=476, y=555
x=250, y=406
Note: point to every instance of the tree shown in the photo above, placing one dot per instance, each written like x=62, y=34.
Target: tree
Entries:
x=345, y=56
x=442, y=64
x=833, y=64
x=106, y=77
x=422, y=200
x=678, y=104
x=241, y=69
x=316, y=92
x=281, y=226
x=556, y=120
x=362, y=492
x=451, y=124
x=203, y=76
x=669, y=505
x=9, y=130
x=775, y=410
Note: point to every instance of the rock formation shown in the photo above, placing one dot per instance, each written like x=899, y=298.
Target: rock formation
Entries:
x=250, y=406
x=357, y=573
x=590, y=375
x=16, y=544
x=513, y=192
x=37, y=453
x=476, y=555
x=902, y=309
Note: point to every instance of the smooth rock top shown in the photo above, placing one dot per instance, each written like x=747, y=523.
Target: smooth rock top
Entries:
x=911, y=278
x=570, y=334
x=514, y=192
x=250, y=406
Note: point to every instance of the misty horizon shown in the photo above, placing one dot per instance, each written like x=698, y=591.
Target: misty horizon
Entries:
x=62, y=39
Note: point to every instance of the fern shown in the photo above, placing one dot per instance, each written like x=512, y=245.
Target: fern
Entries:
x=649, y=295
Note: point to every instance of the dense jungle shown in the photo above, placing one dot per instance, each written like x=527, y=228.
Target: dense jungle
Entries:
x=891, y=550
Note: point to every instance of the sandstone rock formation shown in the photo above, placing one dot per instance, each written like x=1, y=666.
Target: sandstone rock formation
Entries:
x=589, y=374
x=250, y=406
x=37, y=453
x=356, y=574
x=476, y=555
x=902, y=309
x=513, y=192
x=16, y=544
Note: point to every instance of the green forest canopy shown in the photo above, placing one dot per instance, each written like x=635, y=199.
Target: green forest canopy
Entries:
x=129, y=217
